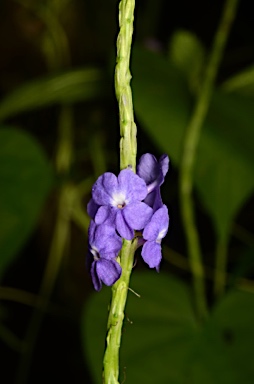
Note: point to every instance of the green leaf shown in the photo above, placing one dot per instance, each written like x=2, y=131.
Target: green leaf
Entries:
x=188, y=54
x=224, y=164
x=26, y=178
x=69, y=87
x=224, y=174
x=224, y=352
x=243, y=268
x=162, y=342
x=157, y=331
x=242, y=83
x=161, y=99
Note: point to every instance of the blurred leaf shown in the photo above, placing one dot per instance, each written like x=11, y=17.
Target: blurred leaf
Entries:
x=163, y=319
x=244, y=267
x=69, y=87
x=26, y=178
x=224, y=352
x=161, y=99
x=224, y=171
x=242, y=83
x=156, y=344
x=188, y=54
x=163, y=344
x=10, y=339
x=93, y=328
x=224, y=165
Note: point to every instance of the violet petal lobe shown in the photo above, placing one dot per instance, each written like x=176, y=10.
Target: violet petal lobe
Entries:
x=151, y=253
x=132, y=185
x=157, y=227
x=106, y=241
x=95, y=279
x=154, y=199
x=153, y=171
x=91, y=231
x=148, y=168
x=122, y=226
x=164, y=164
x=104, y=214
x=103, y=188
x=92, y=208
x=108, y=271
x=137, y=215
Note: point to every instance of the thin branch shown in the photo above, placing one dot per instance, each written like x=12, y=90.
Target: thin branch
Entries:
x=190, y=146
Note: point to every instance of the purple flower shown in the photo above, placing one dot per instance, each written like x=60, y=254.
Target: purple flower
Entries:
x=104, y=246
x=153, y=233
x=153, y=173
x=92, y=208
x=120, y=202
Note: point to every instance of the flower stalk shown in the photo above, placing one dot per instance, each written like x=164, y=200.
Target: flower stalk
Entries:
x=128, y=149
x=190, y=146
x=128, y=130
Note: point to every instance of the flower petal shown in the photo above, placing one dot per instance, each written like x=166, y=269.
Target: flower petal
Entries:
x=157, y=227
x=122, y=227
x=132, y=185
x=153, y=171
x=164, y=164
x=154, y=200
x=95, y=278
x=108, y=271
x=92, y=208
x=148, y=168
x=107, y=241
x=103, y=214
x=103, y=188
x=151, y=253
x=137, y=215
x=91, y=231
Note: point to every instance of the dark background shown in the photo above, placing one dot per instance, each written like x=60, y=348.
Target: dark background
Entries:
x=91, y=28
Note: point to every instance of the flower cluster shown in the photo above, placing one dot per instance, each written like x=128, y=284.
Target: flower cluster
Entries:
x=119, y=207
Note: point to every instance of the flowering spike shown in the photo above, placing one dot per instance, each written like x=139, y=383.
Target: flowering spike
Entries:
x=120, y=206
x=120, y=203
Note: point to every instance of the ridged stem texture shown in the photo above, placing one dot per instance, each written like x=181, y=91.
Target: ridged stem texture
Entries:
x=128, y=148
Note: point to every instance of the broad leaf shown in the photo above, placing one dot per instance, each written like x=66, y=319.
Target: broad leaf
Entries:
x=26, y=178
x=224, y=351
x=224, y=173
x=157, y=332
x=161, y=99
x=188, y=54
x=242, y=83
x=68, y=87
x=162, y=342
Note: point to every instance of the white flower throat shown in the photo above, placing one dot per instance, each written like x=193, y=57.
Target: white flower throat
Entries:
x=119, y=200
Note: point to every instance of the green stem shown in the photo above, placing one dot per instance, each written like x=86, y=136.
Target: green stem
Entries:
x=59, y=246
x=116, y=315
x=128, y=130
x=10, y=339
x=58, y=56
x=19, y=296
x=189, y=153
x=55, y=44
x=128, y=149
